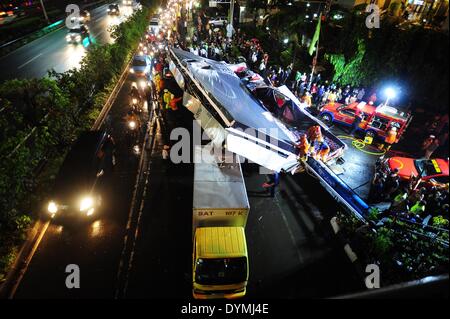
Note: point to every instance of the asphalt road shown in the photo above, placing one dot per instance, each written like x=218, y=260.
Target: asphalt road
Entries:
x=34, y=59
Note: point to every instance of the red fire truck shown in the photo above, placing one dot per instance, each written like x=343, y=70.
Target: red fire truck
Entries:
x=376, y=121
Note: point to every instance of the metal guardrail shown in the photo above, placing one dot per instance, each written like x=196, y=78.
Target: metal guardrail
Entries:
x=338, y=189
x=13, y=45
x=30, y=34
x=112, y=97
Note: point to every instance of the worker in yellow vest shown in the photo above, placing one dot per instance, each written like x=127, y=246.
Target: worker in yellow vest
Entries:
x=157, y=80
x=167, y=97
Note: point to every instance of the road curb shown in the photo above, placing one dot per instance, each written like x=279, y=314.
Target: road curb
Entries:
x=21, y=258
x=349, y=252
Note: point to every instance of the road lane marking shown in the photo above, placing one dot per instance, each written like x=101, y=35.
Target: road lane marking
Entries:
x=96, y=35
x=99, y=18
x=131, y=215
x=141, y=208
x=29, y=61
x=291, y=234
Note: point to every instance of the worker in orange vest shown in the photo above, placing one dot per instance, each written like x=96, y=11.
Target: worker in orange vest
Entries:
x=304, y=147
x=173, y=103
x=307, y=99
x=391, y=137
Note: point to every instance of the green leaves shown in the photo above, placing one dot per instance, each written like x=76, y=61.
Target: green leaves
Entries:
x=414, y=57
x=405, y=251
x=351, y=71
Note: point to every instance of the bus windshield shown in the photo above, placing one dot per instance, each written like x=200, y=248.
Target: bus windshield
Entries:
x=221, y=271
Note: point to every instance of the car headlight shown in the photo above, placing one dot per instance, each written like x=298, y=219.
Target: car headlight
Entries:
x=142, y=84
x=132, y=125
x=86, y=203
x=52, y=207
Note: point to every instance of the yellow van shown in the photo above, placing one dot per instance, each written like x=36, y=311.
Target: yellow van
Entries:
x=220, y=263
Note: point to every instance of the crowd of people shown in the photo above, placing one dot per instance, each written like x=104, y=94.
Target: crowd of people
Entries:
x=412, y=200
x=221, y=44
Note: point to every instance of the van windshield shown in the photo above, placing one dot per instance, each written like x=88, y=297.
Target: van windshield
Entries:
x=221, y=271
x=138, y=62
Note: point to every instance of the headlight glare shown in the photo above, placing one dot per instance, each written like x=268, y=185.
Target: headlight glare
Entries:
x=86, y=203
x=132, y=125
x=52, y=207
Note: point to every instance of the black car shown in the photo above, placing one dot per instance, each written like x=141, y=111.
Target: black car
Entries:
x=113, y=9
x=80, y=184
x=77, y=35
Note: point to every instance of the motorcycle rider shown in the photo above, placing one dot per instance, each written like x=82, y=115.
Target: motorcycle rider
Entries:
x=135, y=95
x=132, y=117
x=134, y=92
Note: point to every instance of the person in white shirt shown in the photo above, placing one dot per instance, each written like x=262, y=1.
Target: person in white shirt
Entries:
x=230, y=31
x=203, y=52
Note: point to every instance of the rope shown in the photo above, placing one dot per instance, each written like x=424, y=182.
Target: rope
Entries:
x=360, y=145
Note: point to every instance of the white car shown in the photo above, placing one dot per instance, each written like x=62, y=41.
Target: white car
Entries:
x=154, y=26
x=218, y=21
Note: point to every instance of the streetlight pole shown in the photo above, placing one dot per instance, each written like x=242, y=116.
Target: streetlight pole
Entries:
x=314, y=62
x=45, y=12
x=231, y=12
